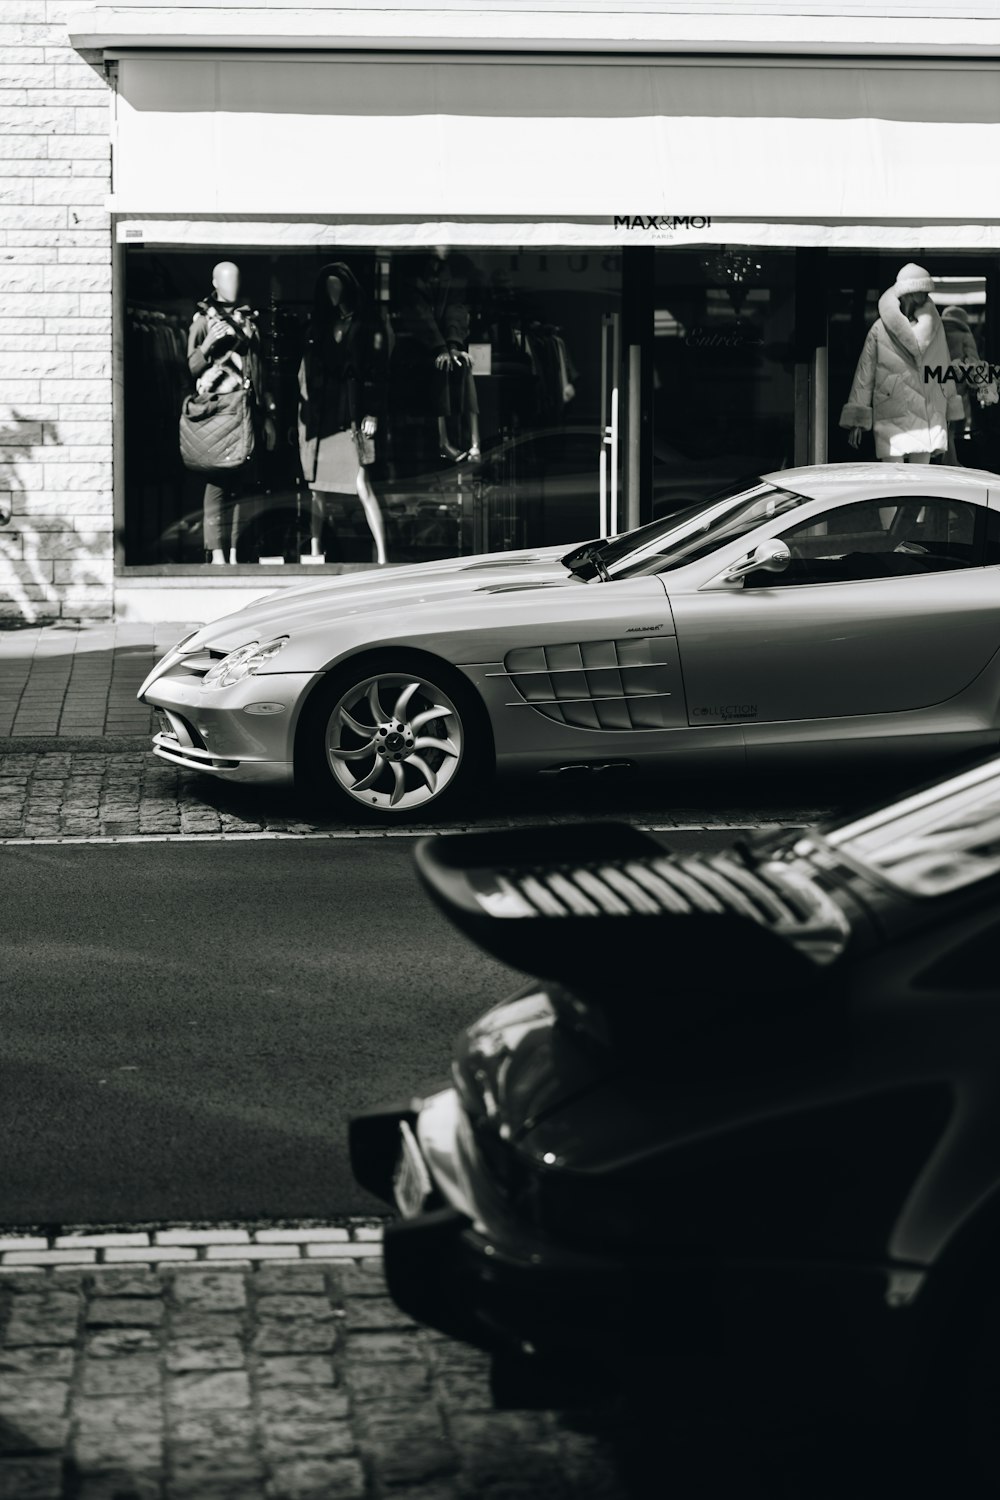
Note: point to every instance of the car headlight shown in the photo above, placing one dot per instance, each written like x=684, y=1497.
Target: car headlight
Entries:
x=245, y=661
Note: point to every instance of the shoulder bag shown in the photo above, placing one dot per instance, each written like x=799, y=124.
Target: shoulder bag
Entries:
x=217, y=431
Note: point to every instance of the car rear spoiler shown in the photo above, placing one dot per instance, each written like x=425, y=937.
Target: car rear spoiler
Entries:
x=589, y=905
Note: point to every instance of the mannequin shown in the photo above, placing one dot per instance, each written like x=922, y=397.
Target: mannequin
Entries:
x=963, y=350
x=341, y=394
x=221, y=357
x=889, y=395
x=439, y=316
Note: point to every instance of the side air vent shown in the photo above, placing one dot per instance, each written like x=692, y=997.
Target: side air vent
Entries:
x=509, y=560
x=615, y=684
x=518, y=588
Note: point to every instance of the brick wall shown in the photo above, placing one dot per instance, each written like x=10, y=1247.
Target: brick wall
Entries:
x=55, y=320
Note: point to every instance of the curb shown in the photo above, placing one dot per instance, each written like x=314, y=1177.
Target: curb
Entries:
x=332, y=835
x=221, y=1246
x=47, y=744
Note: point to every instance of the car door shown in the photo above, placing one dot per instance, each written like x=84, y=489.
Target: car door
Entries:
x=887, y=606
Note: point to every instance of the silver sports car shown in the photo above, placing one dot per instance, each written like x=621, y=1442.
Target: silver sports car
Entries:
x=847, y=605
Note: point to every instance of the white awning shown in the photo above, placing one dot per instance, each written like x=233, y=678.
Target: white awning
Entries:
x=557, y=140
x=231, y=232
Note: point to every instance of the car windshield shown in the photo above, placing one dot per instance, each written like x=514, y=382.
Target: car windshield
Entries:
x=938, y=840
x=697, y=530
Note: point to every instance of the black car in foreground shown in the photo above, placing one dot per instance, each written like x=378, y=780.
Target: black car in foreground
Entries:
x=738, y=1140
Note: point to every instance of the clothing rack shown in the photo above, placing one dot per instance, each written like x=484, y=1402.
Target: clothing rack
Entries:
x=157, y=380
x=158, y=355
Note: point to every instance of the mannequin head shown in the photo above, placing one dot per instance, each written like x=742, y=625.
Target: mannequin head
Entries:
x=343, y=294
x=336, y=293
x=226, y=281
x=912, y=286
x=441, y=252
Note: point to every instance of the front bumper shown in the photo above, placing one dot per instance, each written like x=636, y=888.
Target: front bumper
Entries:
x=244, y=733
x=467, y=1265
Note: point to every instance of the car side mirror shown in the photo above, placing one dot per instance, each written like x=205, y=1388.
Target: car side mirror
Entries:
x=767, y=557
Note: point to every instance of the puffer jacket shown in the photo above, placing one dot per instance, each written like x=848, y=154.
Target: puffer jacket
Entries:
x=889, y=394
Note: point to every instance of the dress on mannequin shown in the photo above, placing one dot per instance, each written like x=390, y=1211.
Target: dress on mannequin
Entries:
x=342, y=379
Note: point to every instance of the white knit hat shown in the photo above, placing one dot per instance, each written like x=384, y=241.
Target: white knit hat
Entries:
x=913, y=279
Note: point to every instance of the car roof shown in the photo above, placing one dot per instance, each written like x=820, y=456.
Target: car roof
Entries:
x=818, y=480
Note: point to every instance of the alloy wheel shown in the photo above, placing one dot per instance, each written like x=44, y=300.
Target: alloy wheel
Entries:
x=394, y=742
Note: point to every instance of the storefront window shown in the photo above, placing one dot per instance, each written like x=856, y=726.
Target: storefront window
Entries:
x=407, y=404
x=724, y=375
x=967, y=296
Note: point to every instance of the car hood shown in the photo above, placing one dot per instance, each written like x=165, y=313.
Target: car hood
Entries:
x=381, y=591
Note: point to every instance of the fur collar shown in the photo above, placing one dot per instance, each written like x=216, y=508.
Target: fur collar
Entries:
x=915, y=339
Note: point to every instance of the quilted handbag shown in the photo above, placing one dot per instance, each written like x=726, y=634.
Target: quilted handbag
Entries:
x=217, y=430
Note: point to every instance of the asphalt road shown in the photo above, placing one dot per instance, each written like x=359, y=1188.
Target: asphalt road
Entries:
x=187, y=1027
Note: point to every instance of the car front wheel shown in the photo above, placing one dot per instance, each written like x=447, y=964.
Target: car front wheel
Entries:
x=391, y=742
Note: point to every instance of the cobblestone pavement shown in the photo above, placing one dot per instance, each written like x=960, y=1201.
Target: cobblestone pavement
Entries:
x=268, y=1365
x=80, y=794
x=126, y=793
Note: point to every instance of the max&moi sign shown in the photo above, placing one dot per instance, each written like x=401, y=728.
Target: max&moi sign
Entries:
x=662, y=223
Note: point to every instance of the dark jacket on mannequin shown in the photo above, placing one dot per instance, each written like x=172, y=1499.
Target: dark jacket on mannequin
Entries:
x=341, y=383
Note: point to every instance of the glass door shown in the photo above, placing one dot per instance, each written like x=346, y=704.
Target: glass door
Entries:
x=610, y=456
x=521, y=449
x=723, y=378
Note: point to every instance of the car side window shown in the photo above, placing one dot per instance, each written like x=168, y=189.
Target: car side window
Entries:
x=898, y=537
